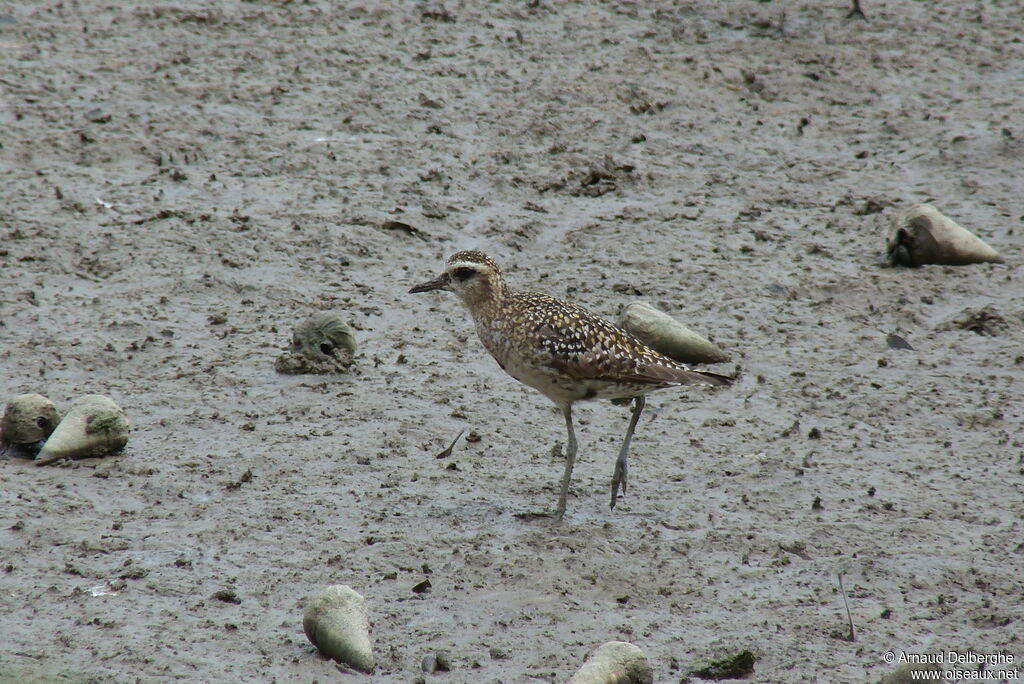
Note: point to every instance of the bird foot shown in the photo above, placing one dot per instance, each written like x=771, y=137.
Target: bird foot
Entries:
x=535, y=515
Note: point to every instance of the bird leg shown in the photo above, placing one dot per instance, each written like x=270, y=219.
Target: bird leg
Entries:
x=621, y=466
x=570, y=460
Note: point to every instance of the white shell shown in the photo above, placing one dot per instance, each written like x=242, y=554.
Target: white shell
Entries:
x=666, y=335
x=923, y=235
x=616, y=662
x=94, y=426
x=337, y=623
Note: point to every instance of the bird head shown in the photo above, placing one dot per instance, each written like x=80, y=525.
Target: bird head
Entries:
x=472, y=275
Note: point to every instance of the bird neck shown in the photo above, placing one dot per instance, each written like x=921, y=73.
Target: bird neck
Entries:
x=487, y=298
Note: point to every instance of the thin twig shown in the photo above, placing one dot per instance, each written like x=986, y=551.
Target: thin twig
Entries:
x=448, y=452
x=852, y=636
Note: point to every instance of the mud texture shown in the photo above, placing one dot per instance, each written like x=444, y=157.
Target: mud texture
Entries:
x=184, y=182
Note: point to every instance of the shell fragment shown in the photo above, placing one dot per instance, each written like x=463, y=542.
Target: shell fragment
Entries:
x=616, y=662
x=923, y=235
x=28, y=420
x=337, y=623
x=323, y=343
x=666, y=335
x=94, y=426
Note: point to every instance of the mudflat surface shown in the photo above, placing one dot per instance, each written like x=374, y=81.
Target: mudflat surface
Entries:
x=182, y=183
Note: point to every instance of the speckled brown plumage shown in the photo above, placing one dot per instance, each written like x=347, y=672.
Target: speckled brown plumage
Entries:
x=562, y=350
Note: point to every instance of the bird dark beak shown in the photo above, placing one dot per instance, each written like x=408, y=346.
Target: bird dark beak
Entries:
x=438, y=283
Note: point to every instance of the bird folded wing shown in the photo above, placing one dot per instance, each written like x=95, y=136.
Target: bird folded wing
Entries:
x=685, y=376
x=594, y=349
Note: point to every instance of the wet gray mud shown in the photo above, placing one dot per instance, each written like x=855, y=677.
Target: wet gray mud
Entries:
x=183, y=183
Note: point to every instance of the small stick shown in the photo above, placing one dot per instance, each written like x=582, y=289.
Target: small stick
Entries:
x=852, y=635
x=448, y=452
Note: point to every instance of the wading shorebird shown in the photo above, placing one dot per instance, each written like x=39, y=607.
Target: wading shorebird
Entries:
x=563, y=351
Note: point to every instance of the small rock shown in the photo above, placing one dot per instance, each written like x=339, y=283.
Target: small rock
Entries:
x=616, y=662
x=984, y=321
x=596, y=179
x=869, y=206
x=98, y=115
x=923, y=235
x=27, y=421
x=896, y=342
x=94, y=426
x=323, y=343
x=731, y=667
x=337, y=623
x=436, y=662
x=433, y=210
x=429, y=102
x=668, y=336
x=227, y=596
x=403, y=227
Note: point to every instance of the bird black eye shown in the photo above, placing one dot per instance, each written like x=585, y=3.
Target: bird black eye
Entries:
x=463, y=273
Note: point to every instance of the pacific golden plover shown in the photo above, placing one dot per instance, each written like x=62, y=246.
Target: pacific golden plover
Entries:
x=561, y=350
